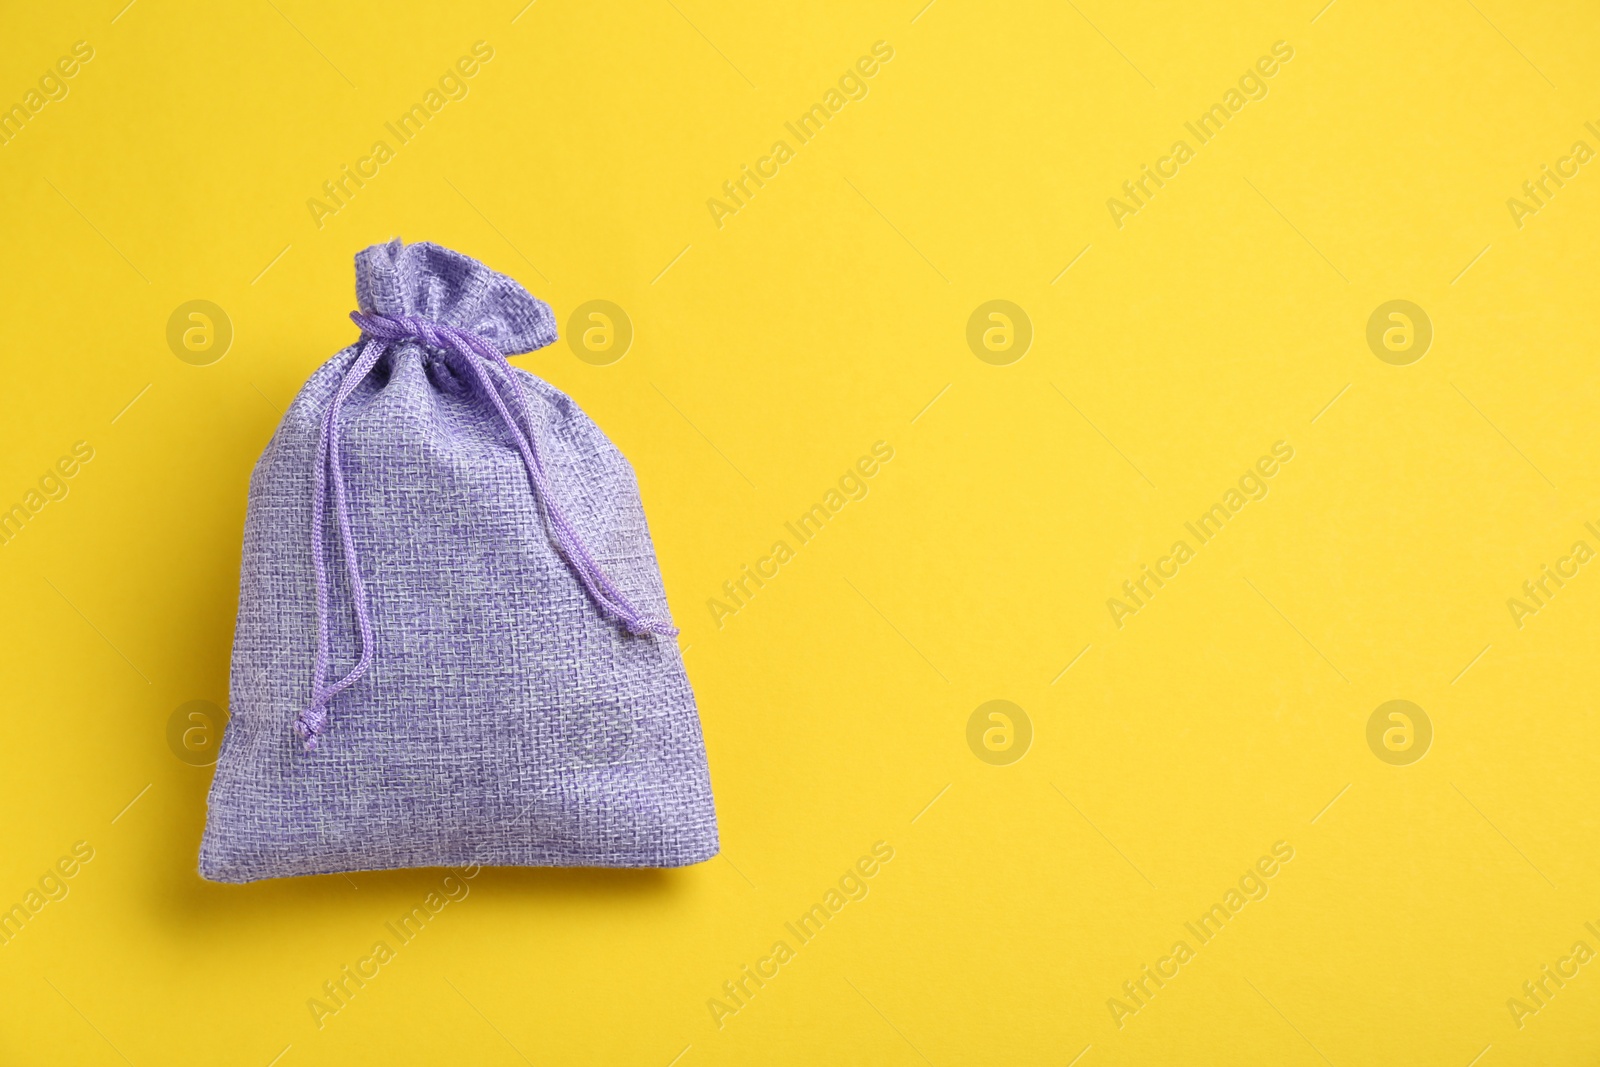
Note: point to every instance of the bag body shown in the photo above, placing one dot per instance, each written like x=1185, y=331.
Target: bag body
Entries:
x=504, y=716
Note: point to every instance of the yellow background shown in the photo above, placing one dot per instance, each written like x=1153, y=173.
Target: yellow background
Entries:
x=769, y=354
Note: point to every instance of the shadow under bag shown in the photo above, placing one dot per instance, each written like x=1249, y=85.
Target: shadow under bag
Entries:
x=453, y=645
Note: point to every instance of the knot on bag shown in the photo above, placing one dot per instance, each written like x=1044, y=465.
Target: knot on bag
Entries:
x=490, y=367
x=440, y=285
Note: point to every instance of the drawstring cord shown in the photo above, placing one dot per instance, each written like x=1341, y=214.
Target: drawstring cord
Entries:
x=378, y=333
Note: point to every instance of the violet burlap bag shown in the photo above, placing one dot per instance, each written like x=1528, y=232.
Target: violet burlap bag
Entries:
x=453, y=644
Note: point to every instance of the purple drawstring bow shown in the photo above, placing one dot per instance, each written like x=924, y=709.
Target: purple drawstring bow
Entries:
x=378, y=333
